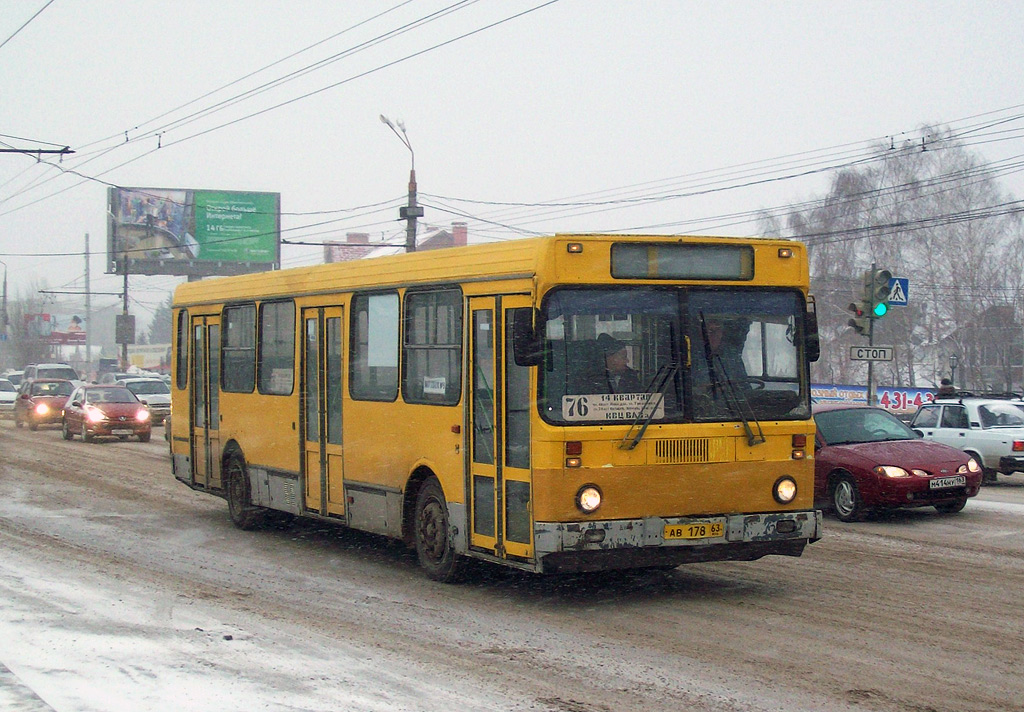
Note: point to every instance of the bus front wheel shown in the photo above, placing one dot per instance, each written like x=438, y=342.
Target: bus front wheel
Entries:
x=434, y=547
x=244, y=514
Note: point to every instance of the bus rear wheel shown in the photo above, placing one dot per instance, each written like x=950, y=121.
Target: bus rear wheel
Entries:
x=244, y=514
x=434, y=547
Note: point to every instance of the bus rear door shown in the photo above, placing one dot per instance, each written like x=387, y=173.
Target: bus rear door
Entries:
x=205, y=404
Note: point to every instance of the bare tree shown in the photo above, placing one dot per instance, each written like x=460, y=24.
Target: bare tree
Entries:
x=932, y=211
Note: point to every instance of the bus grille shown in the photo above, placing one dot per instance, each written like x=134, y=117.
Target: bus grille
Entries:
x=687, y=450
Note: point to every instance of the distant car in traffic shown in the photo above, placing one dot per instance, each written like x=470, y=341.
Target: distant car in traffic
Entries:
x=14, y=377
x=8, y=394
x=154, y=393
x=35, y=371
x=991, y=430
x=105, y=411
x=40, y=402
x=866, y=459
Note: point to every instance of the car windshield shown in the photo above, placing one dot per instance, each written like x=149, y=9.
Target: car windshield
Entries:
x=52, y=388
x=1000, y=415
x=141, y=388
x=7, y=386
x=860, y=425
x=110, y=395
x=672, y=355
x=57, y=372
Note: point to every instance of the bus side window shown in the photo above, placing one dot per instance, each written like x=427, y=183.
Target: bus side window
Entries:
x=433, y=347
x=374, y=347
x=239, y=352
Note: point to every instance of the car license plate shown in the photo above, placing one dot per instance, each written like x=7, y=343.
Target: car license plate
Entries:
x=694, y=530
x=944, y=482
x=122, y=432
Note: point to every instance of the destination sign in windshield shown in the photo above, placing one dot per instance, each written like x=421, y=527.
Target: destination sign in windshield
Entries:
x=612, y=406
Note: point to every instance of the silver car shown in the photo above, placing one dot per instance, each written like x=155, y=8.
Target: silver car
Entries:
x=154, y=393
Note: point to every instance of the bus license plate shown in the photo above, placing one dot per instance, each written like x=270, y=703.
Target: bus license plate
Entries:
x=694, y=530
x=944, y=482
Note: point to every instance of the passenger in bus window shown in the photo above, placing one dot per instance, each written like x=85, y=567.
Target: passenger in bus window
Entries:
x=718, y=361
x=621, y=378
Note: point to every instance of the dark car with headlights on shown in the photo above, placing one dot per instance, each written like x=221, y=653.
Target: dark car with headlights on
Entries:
x=868, y=460
x=106, y=411
x=39, y=402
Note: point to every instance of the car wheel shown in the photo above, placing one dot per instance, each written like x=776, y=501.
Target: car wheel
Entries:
x=144, y=437
x=434, y=547
x=65, y=430
x=988, y=475
x=33, y=425
x=846, y=500
x=86, y=435
x=244, y=514
x=952, y=507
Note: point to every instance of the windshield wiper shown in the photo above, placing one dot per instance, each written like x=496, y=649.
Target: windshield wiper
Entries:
x=731, y=397
x=656, y=388
x=737, y=404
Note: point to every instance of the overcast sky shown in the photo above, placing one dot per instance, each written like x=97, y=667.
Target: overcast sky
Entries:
x=656, y=116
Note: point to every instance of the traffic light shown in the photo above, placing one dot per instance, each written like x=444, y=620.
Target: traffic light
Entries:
x=860, y=320
x=876, y=292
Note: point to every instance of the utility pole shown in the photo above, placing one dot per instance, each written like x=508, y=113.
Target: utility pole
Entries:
x=411, y=212
x=88, y=310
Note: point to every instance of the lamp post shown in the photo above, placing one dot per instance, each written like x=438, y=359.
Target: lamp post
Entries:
x=954, y=360
x=412, y=211
x=3, y=309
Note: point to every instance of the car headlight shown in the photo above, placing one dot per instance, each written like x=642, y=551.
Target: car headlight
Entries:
x=971, y=466
x=890, y=471
x=142, y=416
x=42, y=409
x=95, y=415
x=784, y=490
x=588, y=499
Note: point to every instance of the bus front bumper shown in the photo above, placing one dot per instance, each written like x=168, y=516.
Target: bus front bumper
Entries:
x=663, y=542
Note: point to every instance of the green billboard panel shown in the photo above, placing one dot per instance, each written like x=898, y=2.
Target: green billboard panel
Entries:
x=192, y=232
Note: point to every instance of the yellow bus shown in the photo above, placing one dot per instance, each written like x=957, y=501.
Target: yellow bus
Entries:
x=556, y=404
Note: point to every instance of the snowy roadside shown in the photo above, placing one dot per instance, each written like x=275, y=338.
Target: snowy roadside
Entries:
x=82, y=641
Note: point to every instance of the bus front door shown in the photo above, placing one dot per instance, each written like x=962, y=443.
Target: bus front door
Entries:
x=321, y=410
x=205, y=402
x=499, y=426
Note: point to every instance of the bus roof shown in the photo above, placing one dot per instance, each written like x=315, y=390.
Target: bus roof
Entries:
x=510, y=260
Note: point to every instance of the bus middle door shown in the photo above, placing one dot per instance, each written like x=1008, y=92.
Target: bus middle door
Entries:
x=321, y=403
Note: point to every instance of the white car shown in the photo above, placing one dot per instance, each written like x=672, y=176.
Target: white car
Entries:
x=154, y=393
x=8, y=394
x=991, y=430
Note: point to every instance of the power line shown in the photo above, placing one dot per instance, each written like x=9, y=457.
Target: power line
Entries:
x=50, y=2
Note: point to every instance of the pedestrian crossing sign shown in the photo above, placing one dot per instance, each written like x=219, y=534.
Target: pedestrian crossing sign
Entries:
x=899, y=291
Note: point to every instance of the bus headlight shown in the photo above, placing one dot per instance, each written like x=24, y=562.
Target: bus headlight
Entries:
x=588, y=499
x=784, y=490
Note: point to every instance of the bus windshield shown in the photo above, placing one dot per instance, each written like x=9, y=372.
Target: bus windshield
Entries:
x=673, y=355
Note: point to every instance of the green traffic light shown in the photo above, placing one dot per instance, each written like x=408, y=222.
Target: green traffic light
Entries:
x=880, y=309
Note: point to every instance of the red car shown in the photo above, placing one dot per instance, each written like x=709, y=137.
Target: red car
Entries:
x=106, y=411
x=39, y=402
x=867, y=459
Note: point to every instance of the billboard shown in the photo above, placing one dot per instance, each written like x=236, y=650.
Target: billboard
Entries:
x=55, y=329
x=192, y=232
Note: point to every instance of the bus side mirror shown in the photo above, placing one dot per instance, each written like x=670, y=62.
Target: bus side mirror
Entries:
x=812, y=344
x=527, y=345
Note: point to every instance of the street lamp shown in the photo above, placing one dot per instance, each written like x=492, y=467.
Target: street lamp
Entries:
x=412, y=211
x=954, y=360
x=3, y=309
